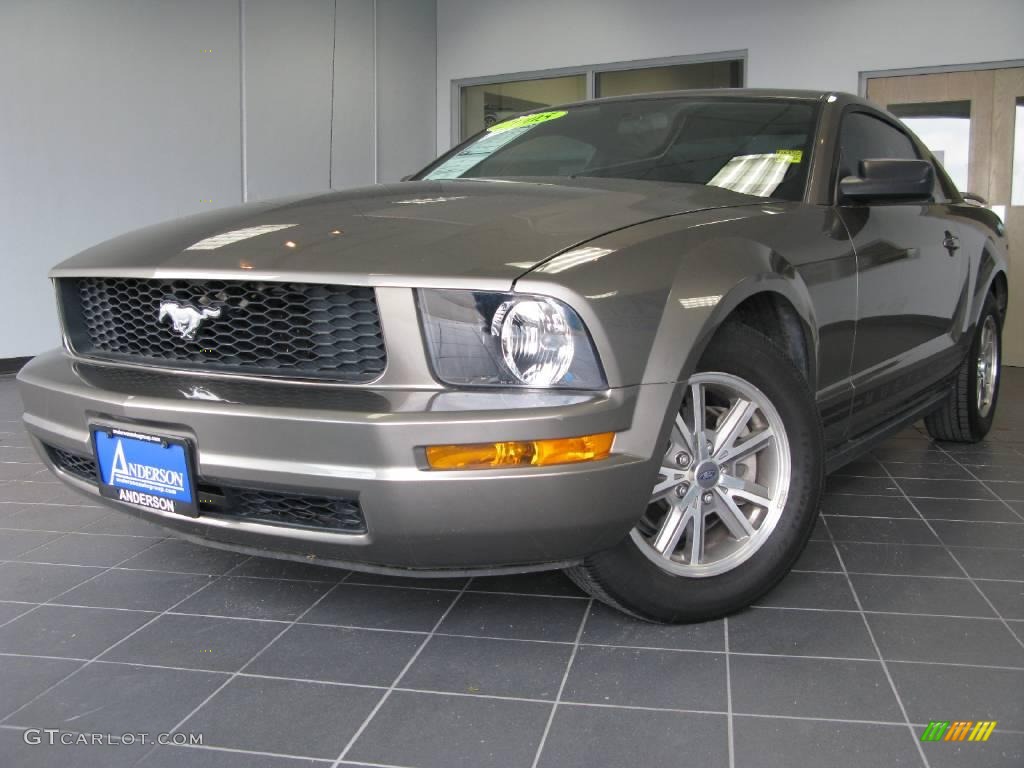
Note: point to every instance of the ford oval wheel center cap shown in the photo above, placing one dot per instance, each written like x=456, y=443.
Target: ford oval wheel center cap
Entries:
x=707, y=474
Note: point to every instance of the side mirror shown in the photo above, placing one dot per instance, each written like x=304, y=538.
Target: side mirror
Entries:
x=890, y=180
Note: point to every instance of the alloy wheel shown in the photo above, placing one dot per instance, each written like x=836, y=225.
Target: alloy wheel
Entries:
x=987, y=366
x=723, y=481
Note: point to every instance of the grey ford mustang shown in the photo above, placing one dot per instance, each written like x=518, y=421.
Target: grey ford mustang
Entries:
x=625, y=337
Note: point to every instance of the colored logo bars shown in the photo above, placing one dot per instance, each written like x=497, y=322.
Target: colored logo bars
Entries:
x=958, y=730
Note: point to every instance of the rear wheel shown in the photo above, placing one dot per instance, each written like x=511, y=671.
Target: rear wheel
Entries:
x=735, y=498
x=966, y=415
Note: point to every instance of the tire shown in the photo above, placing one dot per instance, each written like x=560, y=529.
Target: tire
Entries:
x=964, y=417
x=636, y=577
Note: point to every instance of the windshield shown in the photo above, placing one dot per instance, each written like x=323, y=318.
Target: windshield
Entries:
x=756, y=146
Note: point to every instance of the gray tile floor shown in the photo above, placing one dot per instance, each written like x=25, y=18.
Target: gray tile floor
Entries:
x=907, y=607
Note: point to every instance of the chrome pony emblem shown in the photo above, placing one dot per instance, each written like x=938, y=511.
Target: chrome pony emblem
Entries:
x=202, y=393
x=185, y=319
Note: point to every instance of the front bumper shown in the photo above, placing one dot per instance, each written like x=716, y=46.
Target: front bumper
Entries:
x=368, y=444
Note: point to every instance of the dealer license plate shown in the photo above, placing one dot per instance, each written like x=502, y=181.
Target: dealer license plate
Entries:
x=146, y=471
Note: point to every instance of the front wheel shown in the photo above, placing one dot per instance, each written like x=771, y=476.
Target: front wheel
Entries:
x=736, y=495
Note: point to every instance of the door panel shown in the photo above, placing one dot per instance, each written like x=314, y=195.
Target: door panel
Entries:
x=909, y=283
x=911, y=277
x=910, y=288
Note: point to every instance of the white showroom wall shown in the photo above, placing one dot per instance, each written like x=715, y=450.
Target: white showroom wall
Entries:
x=115, y=114
x=119, y=113
x=819, y=44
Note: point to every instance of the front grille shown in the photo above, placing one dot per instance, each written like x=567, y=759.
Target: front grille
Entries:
x=83, y=467
x=283, y=329
x=291, y=510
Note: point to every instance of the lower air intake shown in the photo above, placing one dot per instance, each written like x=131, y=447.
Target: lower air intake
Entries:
x=291, y=510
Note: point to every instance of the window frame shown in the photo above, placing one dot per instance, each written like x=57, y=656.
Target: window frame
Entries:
x=590, y=71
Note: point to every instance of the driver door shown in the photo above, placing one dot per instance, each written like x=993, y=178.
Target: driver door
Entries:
x=911, y=279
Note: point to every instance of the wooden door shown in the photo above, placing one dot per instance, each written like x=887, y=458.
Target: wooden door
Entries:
x=1006, y=190
x=984, y=110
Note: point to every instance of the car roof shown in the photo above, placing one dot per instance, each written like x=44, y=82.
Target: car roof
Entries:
x=731, y=93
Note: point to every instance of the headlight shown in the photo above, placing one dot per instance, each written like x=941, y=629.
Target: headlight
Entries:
x=501, y=339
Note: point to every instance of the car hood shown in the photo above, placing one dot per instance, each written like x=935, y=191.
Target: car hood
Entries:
x=423, y=233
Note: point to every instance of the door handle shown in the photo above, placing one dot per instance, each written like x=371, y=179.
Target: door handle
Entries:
x=951, y=243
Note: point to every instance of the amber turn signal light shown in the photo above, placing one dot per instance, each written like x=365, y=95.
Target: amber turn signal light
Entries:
x=521, y=453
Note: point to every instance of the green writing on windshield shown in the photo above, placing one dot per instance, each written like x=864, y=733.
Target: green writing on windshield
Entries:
x=527, y=120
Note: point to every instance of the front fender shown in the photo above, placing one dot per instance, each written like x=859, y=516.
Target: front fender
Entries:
x=681, y=322
x=653, y=295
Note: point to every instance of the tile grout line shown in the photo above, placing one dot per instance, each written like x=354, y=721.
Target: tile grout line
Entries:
x=914, y=544
x=40, y=546
x=106, y=650
x=960, y=565
x=29, y=608
x=936, y=519
x=248, y=752
x=972, y=479
x=896, y=495
x=899, y=575
x=225, y=574
x=416, y=654
x=368, y=764
x=728, y=696
x=984, y=484
x=751, y=654
x=582, y=704
x=561, y=686
x=234, y=675
x=881, y=658
x=102, y=571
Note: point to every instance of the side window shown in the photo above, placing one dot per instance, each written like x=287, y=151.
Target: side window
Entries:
x=864, y=137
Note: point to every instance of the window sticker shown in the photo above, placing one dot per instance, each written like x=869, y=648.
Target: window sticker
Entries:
x=527, y=120
x=794, y=155
x=752, y=174
x=496, y=137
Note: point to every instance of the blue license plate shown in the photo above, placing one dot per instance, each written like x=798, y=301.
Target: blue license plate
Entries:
x=145, y=471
